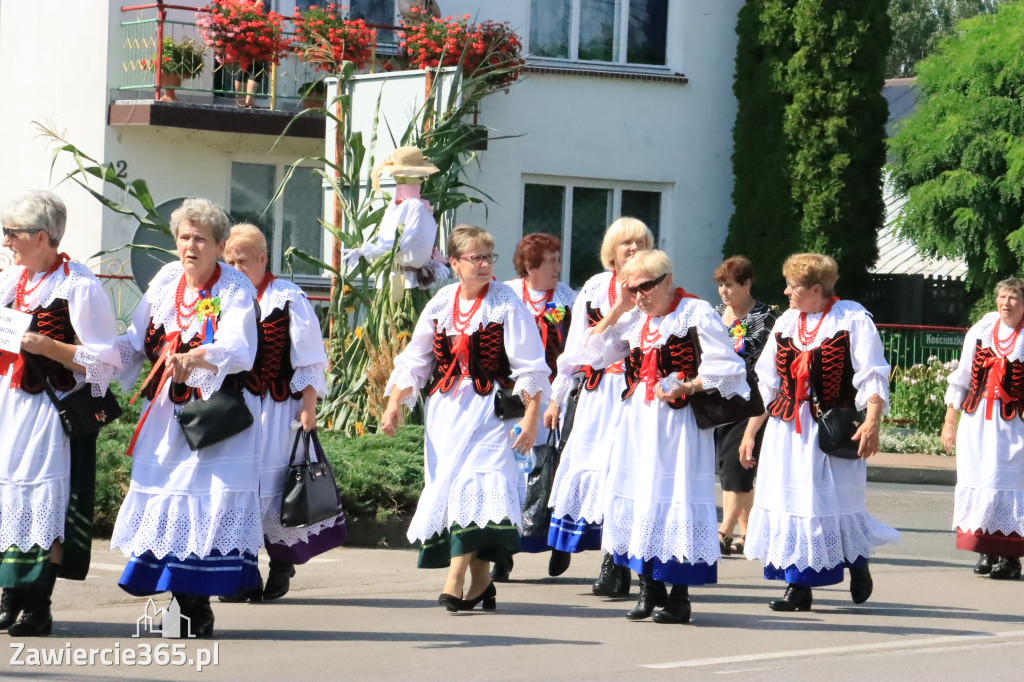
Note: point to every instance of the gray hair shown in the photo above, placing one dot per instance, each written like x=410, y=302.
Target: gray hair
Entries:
x=38, y=210
x=1011, y=284
x=202, y=212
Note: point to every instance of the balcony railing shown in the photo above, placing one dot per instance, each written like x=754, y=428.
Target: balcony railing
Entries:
x=276, y=86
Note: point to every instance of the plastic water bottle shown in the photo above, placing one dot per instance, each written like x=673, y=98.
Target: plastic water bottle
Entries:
x=670, y=383
x=527, y=461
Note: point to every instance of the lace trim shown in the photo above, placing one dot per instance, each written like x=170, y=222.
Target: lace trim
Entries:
x=279, y=293
x=989, y=511
x=841, y=317
x=579, y=495
x=208, y=381
x=816, y=542
x=164, y=286
x=57, y=285
x=955, y=396
x=98, y=374
x=680, y=531
x=595, y=290
x=482, y=497
x=874, y=384
x=532, y=383
x=560, y=388
x=728, y=386
x=686, y=315
x=982, y=330
x=131, y=364
x=275, y=533
x=188, y=524
x=310, y=375
x=401, y=378
x=34, y=516
x=501, y=299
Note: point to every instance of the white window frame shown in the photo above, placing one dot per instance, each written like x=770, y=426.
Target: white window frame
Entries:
x=616, y=187
x=575, y=13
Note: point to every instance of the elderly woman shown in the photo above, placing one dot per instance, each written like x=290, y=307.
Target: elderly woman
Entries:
x=810, y=520
x=659, y=510
x=749, y=323
x=473, y=339
x=988, y=385
x=190, y=523
x=538, y=262
x=577, y=497
x=288, y=376
x=69, y=343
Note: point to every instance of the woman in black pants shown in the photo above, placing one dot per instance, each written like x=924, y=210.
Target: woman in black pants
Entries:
x=749, y=323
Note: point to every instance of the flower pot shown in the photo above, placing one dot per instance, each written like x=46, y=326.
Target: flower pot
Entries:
x=313, y=102
x=168, y=82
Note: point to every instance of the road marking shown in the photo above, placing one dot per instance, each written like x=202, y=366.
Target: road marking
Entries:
x=832, y=651
x=106, y=567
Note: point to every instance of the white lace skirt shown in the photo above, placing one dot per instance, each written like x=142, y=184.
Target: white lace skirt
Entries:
x=990, y=474
x=809, y=509
x=660, y=494
x=470, y=472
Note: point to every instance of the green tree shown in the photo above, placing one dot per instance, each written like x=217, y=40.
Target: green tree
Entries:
x=959, y=159
x=918, y=25
x=809, y=136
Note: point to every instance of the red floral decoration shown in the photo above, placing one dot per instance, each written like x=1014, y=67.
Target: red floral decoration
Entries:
x=349, y=39
x=503, y=53
x=243, y=32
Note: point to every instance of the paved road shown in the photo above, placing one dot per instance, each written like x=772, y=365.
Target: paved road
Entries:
x=369, y=614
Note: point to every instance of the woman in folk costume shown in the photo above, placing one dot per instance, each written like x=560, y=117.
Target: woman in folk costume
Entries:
x=988, y=385
x=473, y=339
x=577, y=496
x=288, y=376
x=408, y=219
x=538, y=262
x=69, y=343
x=660, y=518
x=190, y=523
x=810, y=518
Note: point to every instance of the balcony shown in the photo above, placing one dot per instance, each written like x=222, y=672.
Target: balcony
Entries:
x=220, y=97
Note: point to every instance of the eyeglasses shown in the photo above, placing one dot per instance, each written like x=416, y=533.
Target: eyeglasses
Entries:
x=13, y=232
x=646, y=287
x=479, y=260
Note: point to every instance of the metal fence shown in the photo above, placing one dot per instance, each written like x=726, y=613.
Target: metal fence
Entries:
x=913, y=345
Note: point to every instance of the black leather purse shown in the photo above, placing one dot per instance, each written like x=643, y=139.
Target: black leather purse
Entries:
x=81, y=414
x=836, y=427
x=508, y=405
x=310, y=492
x=569, y=417
x=215, y=419
x=711, y=410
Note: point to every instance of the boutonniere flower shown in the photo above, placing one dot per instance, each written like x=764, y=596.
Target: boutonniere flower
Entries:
x=554, y=313
x=208, y=308
x=738, y=332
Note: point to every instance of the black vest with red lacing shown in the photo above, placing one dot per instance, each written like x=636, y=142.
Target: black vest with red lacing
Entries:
x=1013, y=384
x=53, y=321
x=593, y=376
x=831, y=374
x=679, y=354
x=556, y=341
x=179, y=393
x=273, y=369
x=488, y=361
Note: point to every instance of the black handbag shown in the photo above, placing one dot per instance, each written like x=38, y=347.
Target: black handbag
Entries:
x=836, y=427
x=310, y=492
x=81, y=414
x=536, y=512
x=215, y=419
x=508, y=405
x=569, y=418
x=710, y=409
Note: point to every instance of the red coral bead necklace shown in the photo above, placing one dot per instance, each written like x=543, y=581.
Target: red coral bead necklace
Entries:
x=185, y=312
x=612, y=296
x=22, y=290
x=1004, y=348
x=545, y=298
x=461, y=320
x=807, y=337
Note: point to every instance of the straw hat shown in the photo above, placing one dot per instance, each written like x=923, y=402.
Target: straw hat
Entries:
x=405, y=162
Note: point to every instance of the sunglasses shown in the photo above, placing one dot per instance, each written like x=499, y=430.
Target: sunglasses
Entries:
x=646, y=287
x=479, y=260
x=13, y=232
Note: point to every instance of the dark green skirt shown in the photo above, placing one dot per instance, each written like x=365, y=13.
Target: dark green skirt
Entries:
x=493, y=542
x=21, y=569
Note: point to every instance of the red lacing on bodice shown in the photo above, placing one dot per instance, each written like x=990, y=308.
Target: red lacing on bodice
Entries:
x=488, y=361
x=53, y=321
x=678, y=355
x=273, y=369
x=1012, y=384
x=831, y=373
x=592, y=376
x=179, y=393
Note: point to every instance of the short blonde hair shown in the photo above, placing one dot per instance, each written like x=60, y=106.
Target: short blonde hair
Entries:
x=463, y=235
x=202, y=212
x=651, y=262
x=247, y=235
x=808, y=269
x=623, y=230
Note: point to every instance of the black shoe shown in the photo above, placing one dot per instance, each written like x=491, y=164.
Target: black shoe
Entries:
x=984, y=565
x=501, y=569
x=488, y=597
x=279, y=580
x=558, y=563
x=12, y=601
x=677, y=608
x=861, y=584
x=652, y=594
x=797, y=598
x=36, y=619
x=1005, y=568
x=199, y=613
x=253, y=595
x=449, y=601
x=613, y=580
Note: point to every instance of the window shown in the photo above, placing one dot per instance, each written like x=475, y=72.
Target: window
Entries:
x=380, y=12
x=579, y=214
x=615, y=31
x=291, y=221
